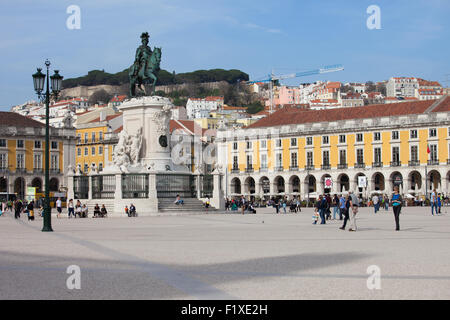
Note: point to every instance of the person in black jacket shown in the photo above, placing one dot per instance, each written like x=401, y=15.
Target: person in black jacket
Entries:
x=322, y=206
x=17, y=209
x=30, y=208
x=345, y=212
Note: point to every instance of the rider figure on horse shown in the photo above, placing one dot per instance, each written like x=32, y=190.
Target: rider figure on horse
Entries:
x=143, y=54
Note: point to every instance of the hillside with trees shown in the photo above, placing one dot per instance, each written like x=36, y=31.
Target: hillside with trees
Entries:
x=98, y=77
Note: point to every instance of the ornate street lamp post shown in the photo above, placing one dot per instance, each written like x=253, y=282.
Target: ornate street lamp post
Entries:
x=39, y=81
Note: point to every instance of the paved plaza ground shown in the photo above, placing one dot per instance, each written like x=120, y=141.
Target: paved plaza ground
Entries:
x=228, y=256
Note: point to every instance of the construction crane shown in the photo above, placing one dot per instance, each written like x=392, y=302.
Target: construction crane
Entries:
x=272, y=78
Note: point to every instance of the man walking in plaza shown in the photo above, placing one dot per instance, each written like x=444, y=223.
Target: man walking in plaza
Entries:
x=433, y=202
x=335, y=206
x=58, y=207
x=376, y=203
x=397, y=207
x=345, y=210
x=243, y=204
x=439, y=203
x=342, y=207
x=354, y=203
x=322, y=206
x=17, y=209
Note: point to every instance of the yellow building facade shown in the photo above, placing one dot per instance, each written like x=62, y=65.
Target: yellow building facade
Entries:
x=22, y=156
x=290, y=154
x=95, y=142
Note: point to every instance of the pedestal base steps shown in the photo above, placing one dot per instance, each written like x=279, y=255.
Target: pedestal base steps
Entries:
x=191, y=205
x=166, y=206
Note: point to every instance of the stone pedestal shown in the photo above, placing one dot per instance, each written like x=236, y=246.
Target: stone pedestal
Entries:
x=152, y=116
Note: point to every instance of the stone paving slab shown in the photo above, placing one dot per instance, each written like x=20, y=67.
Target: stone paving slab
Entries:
x=228, y=256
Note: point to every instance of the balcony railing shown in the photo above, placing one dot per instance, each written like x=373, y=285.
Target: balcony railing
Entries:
x=54, y=171
x=326, y=167
x=249, y=170
x=235, y=170
x=263, y=169
x=342, y=166
x=377, y=164
x=414, y=163
x=22, y=170
x=38, y=170
x=360, y=165
x=4, y=169
x=293, y=168
x=395, y=164
x=433, y=162
x=279, y=169
x=309, y=167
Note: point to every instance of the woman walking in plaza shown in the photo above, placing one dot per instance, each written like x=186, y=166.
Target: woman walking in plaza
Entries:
x=397, y=207
x=335, y=206
x=345, y=210
x=70, y=208
x=386, y=203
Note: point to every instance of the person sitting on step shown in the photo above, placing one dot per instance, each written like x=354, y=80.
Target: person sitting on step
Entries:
x=178, y=200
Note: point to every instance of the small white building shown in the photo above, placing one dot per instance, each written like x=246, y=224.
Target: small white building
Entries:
x=200, y=108
x=401, y=87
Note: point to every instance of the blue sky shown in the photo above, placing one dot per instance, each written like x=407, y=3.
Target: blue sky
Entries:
x=253, y=36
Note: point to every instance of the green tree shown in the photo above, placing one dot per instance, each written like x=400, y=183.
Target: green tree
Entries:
x=255, y=107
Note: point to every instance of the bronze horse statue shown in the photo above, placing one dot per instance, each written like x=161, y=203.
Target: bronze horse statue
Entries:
x=144, y=71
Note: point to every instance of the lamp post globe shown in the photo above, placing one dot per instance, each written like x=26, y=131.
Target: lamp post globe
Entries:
x=38, y=81
x=56, y=81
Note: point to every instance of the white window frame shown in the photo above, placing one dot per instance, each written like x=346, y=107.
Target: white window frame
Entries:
x=54, y=164
x=5, y=166
x=39, y=163
x=23, y=163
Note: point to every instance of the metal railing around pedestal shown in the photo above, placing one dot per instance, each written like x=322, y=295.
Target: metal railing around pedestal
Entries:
x=134, y=186
x=81, y=187
x=103, y=186
x=171, y=185
x=206, y=185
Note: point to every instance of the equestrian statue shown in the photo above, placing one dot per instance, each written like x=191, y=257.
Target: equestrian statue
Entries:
x=145, y=66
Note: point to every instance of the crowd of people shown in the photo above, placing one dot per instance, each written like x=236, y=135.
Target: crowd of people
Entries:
x=325, y=208
x=241, y=203
x=81, y=210
x=342, y=207
x=20, y=207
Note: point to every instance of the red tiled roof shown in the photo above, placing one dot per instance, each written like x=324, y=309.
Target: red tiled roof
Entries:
x=288, y=116
x=333, y=85
x=444, y=106
x=12, y=119
x=426, y=83
x=118, y=98
x=185, y=124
